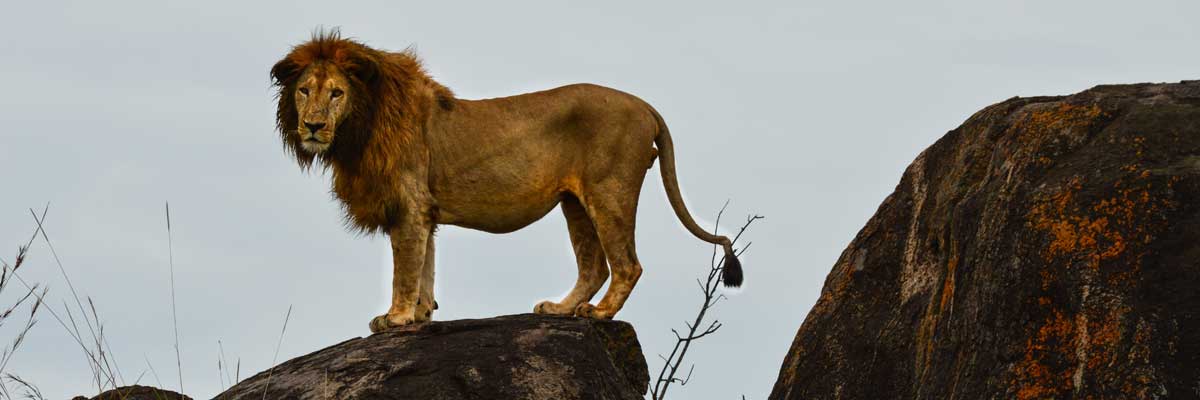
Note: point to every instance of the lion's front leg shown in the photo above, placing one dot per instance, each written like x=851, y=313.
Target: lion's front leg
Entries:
x=426, y=303
x=408, y=258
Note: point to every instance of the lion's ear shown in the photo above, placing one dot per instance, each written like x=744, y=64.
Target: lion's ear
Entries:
x=363, y=66
x=285, y=71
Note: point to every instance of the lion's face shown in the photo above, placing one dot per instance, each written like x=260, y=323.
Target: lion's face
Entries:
x=322, y=102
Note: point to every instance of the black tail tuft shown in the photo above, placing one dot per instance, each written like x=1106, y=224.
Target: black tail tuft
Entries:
x=731, y=273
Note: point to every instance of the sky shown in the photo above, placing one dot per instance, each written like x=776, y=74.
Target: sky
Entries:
x=804, y=112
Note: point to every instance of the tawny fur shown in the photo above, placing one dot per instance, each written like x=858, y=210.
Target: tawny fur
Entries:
x=406, y=156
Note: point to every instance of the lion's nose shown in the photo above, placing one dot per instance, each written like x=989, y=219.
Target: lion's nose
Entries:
x=313, y=127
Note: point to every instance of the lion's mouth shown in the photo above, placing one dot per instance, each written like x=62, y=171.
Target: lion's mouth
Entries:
x=314, y=145
x=314, y=139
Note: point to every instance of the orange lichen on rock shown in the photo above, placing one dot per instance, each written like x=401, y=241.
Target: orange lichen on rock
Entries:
x=1039, y=131
x=1104, y=334
x=1063, y=117
x=1075, y=233
x=1102, y=230
x=1034, y=378
x=948, y=283
x=934, y=313
x=1106, y=237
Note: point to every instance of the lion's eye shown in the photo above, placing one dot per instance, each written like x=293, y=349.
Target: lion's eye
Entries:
x=336, y=93
x=304, y=91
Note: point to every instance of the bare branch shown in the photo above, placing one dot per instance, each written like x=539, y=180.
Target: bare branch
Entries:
x=710, y=330
x=708, y=288
x=689, y=375
x=716, y=225
x=743, y=250
x=749, y=220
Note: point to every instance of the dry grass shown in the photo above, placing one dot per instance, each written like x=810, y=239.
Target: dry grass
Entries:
x=223, y=369
x=7, y=274
x=28, y=390
x=82, y=322
x=80, y=317
x=174, y=318
x=91, y=341
x=267, y=387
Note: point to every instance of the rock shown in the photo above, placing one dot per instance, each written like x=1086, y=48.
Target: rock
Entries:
x=1047, y=248
x=136, y=392
x=511, y=357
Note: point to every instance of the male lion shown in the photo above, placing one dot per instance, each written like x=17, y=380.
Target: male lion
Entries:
x=407, y=156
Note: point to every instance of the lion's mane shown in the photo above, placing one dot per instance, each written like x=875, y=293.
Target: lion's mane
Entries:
x=391, y=98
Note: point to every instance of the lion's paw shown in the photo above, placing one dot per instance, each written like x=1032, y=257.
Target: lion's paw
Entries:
x=587, y=310
x=552, y=308
x=385, y=322
x=424, y=314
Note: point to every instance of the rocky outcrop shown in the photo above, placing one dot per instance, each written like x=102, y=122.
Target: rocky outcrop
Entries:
x=1047, y=248
x=136, y=392
x=510, y=357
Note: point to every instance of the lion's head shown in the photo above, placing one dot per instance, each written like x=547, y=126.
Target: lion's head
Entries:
x=337, y=97
x=325, y=87
x=320, y=100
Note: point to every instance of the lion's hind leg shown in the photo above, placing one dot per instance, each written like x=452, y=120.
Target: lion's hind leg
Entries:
x=614, y=214
x=589, y=256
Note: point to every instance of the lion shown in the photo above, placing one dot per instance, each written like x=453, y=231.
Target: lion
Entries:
x=406, y=156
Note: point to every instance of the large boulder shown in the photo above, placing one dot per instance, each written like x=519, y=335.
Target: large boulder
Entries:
x=1047, y=248
x=511, y=357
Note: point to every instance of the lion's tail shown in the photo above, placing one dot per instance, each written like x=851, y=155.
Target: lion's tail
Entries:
x=731, y=274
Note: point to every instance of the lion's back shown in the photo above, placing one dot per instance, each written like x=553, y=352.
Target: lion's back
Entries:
x=591, y=109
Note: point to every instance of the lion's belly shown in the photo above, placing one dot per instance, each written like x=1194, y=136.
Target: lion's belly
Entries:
x=495, y=221
x=496, y=207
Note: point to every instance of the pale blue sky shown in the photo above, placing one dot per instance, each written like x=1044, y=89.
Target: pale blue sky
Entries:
x=806, y=112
